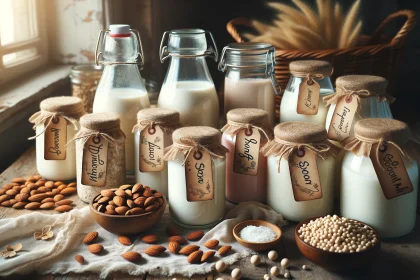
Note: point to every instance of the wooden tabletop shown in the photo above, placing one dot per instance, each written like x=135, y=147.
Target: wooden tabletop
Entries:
x=399, y=259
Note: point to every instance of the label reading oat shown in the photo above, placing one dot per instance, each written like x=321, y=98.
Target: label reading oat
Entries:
x=247, y=151
x=304, y=175
x=55, y=139
x=95, y=160
x=151, y=149
x=391, y=171
x=199, y=176
x=308, y=98
x=342, y=118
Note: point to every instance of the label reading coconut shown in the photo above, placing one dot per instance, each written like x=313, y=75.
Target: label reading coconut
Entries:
x=342, y=118
x=391, y=171
x=199, y=177
x=151, y=149
x=55, y=139
x=95, y=159
x=247, y=150
x=304, y=175
x=308, y=98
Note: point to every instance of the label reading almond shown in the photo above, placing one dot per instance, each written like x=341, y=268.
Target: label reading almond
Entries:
x=95, y=161
x=247, y=151
x=199, y=176
x=391, y=171
x=342, y=118
x=151, y=149
x=308, y=98
x=304, y=175
x=55, y=139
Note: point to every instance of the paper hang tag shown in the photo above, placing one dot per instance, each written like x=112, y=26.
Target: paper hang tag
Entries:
x=95, y=161
x=151, y=149
x=247, y=151
x=199, y=176
x=342, y=118
x=304, y=175
x=391, y=171
x=308, y=98
x=55, y=139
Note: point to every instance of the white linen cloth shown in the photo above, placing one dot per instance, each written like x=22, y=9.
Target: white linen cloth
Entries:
x=57, y=254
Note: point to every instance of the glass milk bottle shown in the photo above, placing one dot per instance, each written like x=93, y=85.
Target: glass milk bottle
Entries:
x=302, y=99
x=246, y=131
x=121, y=89
x=55, y=124
x=250, y=81
x=196, y=176
x=300, y=171
x=152, y=134
x=379, y=181
x=188, y=87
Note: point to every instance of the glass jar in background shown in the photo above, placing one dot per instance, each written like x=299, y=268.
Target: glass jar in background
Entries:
x=302, y=99
x=196, y=176
x=84, y=80
x=379, y=181
x=250, y=81
x=188, y=87
x=300, y=171
x=152, y=134
x=55, y=124
x=246, y=131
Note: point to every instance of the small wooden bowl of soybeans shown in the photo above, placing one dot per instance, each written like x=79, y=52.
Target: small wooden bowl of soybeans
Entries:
x=337, y=243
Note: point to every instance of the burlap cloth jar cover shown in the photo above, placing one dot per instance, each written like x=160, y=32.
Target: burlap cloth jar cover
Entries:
x=167, y=119
x=106, y=125
x=311, y=69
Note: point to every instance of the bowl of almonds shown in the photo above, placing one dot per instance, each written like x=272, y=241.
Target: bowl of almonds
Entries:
x=129, y=209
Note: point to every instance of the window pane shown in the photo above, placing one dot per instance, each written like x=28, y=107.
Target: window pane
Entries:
x=18, y=21
x=18, y=57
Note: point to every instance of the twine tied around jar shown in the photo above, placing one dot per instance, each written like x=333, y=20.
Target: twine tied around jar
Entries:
x=166, y=119
x=311, y=69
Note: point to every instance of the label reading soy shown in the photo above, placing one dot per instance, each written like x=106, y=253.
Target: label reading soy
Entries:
x=304, y=175
x=199, y=177
x=342, y=118
x=308, y=98
x=391, y=172
x=95, y=160
x=55, y=139
x=151, y=149
x=247, y=148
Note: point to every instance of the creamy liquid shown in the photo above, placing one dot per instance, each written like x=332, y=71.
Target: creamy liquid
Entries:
x=280, y=192
x=250, y=93
x=196, y=102
x=362, y=198
x=198, y=213
x=288, y=108
x=57, y=170
x=126, y=102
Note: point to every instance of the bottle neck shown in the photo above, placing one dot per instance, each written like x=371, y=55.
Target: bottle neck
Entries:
x=188, y=69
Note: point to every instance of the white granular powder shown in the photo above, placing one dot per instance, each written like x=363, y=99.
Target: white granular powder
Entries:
x=259, y=234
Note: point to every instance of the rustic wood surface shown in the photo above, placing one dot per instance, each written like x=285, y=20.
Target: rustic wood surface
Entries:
x=399, y=259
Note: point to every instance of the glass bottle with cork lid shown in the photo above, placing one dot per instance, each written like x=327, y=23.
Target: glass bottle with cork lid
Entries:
x=303, y=97
x=380, y=177
x=188, y=87
x=121, y=88
x=250, y=81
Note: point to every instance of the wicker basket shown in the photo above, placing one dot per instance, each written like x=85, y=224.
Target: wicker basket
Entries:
x=374, y=55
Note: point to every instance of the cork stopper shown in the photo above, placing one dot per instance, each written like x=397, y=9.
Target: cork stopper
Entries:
x=301, y=68
x=300, y=132
x=248, y=115
x=375, y=85
x=66, y=105
x=376, y=129
x=160, y=115
x=100, y=121
x=202, y=135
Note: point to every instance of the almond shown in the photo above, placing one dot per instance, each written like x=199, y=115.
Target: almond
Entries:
x=17, y=188
x=131, y=256
x=40, y=183
x=110, y=208
x=90, y=237
x=8, y=203
x=80, y=259
x=58, y=183
x=32, y=186
x=12, y=192
x=104, y=199
x=47, y=205
x=107, y=193
x=68, y=191
x=131, y=203
x=55, y=191
x=95, y=248
x=149, y=201
x=111, y=212
x=176, y=238
x=140, y=201
x=64, y=202
x=121, y=210
x=19, y=180
x=129, y=193
x=25, y=190
x=137, y=188
x=38, y=197
x=124, y=240
x=72, y=185
x=44, y=189
x=2, y=191
x=22, y=197
x=121, y=193
x=4, y=197
x=195, y=235
x=151, y=208
x=124, y=187
x=171, y=230
x=224, y=250
x=32, y=205
x=34, y=192
x=48, y=199
x=61, y=187
x=118, y=200
x=150, y=239
x=195, y=257
x=211, y=244
x=7, y=186
x=19, y=205
x=155, y=250
x=49, y=184
x=147, y=193
x=187, y=250
x=135, y=195
x=50, y=194
x=207, y=256
x=63, y=208
x=37, y=177
x=174, y=247
x=135, y=211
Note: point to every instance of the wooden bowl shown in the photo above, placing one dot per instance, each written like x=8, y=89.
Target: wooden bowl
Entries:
x=337, y=261
x=255, y=245
x=126, y=225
